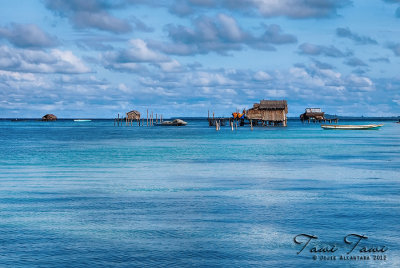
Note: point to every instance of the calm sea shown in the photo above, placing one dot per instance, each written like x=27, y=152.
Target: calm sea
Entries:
x=87, y=194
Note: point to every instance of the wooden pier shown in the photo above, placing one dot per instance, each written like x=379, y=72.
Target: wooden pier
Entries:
x=324, y=120
x=265, y=113
x=134, y=116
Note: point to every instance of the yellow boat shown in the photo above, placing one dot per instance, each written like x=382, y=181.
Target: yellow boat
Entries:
x=351, y=127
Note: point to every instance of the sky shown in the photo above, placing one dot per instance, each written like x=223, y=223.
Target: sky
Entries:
x=97, y=58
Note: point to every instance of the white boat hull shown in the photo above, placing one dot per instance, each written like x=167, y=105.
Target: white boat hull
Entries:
x=351, y=127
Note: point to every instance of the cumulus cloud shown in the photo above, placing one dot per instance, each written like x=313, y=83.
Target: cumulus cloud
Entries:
x=273, y=35
x=27, y=36
x=395, y=47
x=397, y=12
x=380, y=59
x=202, y=88
x=137, y=57
x=296, y=9
x=90, y=14
x=81, y=80
x=330, y=81
x=359, y=39
x=17, y=80
x=359, y=83
x=222, y=86
x=139, y=25
x=322, y=65
x=139, y=52
x=128, y=67
x=35, y=61
x=208, y=34
x=262, y=76
x=220, y=34
x=181, y=8
x=355, y=62
x=316, y=50
x=170, y=66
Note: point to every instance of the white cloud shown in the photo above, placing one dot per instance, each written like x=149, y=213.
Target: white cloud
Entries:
x=262, y=76
x=296, y=8
x=28, y=36
x=230, y=28
x=209, y=78
x=122, y=87
x=360, y=83
x=170, y=66
x=136, y=57
x=34, y=61
x=139, y=52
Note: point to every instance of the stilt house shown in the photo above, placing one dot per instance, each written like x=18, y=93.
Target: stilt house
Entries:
x=312, y=113
x=270, y=112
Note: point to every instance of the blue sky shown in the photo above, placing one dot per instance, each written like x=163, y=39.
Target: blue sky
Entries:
x=97, y=58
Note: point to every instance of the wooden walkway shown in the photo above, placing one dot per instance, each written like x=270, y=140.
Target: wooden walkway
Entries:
x=148, y=121
x=335, y=120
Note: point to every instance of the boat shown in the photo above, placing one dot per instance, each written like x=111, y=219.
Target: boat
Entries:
x=82, y=120
x=351, y=127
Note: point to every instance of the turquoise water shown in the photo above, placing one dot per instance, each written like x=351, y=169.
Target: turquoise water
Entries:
x=87, y=194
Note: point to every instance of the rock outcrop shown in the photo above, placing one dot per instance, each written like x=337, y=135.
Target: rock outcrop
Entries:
x=49, y=117
x=176, y=122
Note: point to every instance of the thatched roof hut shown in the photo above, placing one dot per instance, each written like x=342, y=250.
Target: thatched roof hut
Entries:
x=312, y=113
x=49, y=117
x=133, y=115
x=271, y=111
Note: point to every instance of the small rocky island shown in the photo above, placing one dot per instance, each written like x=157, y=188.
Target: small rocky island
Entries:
x=49, y=117
x=176, y=122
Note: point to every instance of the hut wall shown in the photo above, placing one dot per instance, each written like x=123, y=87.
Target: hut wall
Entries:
x=267, y=115
x=254, y=114
x=273, y=115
